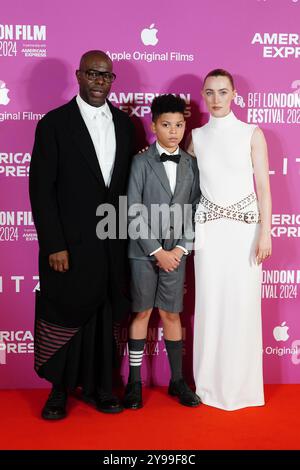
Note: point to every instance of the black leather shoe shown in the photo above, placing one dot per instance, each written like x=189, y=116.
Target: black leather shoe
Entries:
x=108, y=403
x=181, y=390
x=133, y=396
x=55, y=406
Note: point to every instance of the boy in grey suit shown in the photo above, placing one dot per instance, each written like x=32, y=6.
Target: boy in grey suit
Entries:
x=162, y=196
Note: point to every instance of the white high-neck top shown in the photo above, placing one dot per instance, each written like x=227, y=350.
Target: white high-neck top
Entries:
x=222, y=122
x=223, y=151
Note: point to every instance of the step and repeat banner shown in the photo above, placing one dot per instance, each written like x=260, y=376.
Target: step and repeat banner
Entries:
x=156, y=47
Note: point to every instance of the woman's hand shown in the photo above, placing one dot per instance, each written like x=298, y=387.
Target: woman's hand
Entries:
x=264, y=247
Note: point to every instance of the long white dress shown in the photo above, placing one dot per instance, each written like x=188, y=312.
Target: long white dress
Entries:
x=227, y=329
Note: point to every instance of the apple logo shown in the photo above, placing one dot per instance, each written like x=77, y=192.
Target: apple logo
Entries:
x=148, y=36
x=280, y=332
x=4, y=99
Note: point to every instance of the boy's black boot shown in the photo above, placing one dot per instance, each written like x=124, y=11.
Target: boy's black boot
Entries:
x=186, y=396
x=133, y=395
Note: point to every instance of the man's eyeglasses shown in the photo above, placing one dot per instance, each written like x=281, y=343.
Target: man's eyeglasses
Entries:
x=92, y=75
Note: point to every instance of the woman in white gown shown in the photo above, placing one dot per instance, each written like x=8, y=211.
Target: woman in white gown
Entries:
x=232, y=238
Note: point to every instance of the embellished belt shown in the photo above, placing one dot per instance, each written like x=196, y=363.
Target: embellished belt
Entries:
x=230, y=212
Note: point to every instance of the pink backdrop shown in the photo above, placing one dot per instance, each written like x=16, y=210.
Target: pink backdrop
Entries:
x=40, y=46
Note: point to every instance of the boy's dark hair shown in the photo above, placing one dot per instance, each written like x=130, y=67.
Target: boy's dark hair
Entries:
x=220, y=73
x=167, y=103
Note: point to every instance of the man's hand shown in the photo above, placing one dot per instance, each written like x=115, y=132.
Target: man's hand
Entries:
x=168, y=260
x=59, y=261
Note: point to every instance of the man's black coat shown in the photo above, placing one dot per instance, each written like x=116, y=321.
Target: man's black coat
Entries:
x=66, y=187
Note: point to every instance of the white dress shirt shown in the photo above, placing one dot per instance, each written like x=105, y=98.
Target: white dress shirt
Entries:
x=170, y=167
x=171, y=170
x=101, y=128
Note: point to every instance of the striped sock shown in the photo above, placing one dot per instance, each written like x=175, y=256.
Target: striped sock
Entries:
x=136, y=350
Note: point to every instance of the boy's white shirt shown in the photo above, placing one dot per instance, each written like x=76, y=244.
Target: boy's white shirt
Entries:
x=171, y=170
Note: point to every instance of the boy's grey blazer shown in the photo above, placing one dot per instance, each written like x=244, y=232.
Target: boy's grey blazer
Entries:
x=148, y=189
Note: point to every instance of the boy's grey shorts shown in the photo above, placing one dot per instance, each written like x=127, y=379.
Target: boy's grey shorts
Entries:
x=153, y=287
